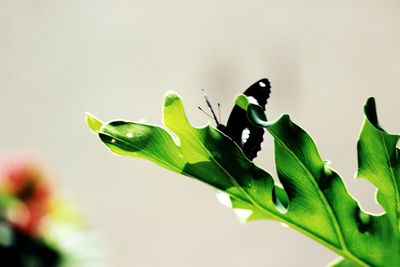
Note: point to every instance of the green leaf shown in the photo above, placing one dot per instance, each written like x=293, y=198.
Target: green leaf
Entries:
x=93, y=123
x=196, y=152
x=313, y=200
x=242, y=101
x=379, y=163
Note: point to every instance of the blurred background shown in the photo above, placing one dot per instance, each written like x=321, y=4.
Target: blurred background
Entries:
x=116, y=59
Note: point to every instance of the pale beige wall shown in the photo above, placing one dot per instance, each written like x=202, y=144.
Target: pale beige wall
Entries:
x=116, y=59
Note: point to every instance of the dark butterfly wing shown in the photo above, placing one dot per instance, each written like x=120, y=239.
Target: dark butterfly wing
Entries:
x=239, y=128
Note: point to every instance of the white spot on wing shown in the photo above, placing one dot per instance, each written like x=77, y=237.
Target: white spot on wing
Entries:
x=252, y=100
x=262, y=84
x=245, y=135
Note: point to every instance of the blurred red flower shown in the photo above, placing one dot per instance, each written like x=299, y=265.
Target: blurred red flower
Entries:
x=24, y=179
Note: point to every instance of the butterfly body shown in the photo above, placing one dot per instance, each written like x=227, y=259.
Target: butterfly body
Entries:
x=239, y=128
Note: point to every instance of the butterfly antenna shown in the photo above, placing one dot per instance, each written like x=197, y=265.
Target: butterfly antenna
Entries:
x=209, y=105
x=219, y=111
x=208, y=115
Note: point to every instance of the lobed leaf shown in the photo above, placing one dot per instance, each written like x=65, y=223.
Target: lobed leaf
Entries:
x=313, y=200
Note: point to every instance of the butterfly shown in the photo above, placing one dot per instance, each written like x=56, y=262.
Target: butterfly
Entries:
x=238, y=127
